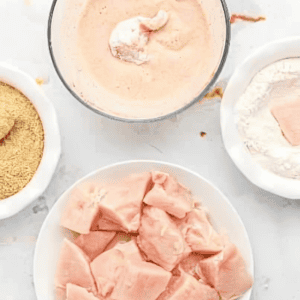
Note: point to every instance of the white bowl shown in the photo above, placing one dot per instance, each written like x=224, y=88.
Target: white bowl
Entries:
x=222, y=213
x=24, y=83
x=266, y=55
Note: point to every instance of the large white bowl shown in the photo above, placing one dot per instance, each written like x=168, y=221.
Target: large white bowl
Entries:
x=266, y=55
x=222, y=213
x=24, y=83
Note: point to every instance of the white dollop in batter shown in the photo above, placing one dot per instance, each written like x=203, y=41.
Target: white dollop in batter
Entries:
x=129, y=38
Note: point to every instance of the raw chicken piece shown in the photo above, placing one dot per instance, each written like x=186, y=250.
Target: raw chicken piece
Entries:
x=141, y=281
x=226, y=272
x=169, y=195
x=186, y=286
x=95, y=242
x=120, y=237
x=190, y=264
x=130, y=250
x=287, y=115
x=75, y=292
x=122, y=274
x=108, y=268
x=73, y=267
x=122, y=203
x=60, y=293
x=80, y=212
x=129, y=38
x=160, y=239
x=199, y=233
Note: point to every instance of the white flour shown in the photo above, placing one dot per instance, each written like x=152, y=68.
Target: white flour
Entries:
x=258, y=128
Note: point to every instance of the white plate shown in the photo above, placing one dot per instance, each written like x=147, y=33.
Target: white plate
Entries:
x=24, y=83
x=268, y=54
x=222, y=213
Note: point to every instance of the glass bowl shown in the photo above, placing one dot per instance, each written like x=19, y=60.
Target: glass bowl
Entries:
x=62, y=41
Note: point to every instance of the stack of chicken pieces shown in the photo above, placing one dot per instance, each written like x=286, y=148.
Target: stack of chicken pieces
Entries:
x=143, y=238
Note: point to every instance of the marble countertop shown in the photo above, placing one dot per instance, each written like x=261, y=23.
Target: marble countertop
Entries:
x=272, y=222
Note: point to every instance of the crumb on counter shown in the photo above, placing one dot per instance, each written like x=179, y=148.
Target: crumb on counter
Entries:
x=235, y=17
x=203, y=134
x=215, y=93
x=28, y=2
x=39, y=81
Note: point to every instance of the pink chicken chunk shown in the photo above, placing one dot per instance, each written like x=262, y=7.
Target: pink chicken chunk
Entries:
x=107, y=269
x=120, y=237
x=199, y=233
x=141, y=280
x=75, y=292
x=169, y=195
x=73, y=267
x=80, y=212
x=120, y=207
x=160, y=239
x=121, y=274
x=95, y=242
x=226, y=272
x=186, y=286
x=190, y=264
x=287, y=115
x=110, y=265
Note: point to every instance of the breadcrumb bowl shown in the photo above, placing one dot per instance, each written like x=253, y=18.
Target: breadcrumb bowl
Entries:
x=52, y=148
x=222, y=215
x=254, y=172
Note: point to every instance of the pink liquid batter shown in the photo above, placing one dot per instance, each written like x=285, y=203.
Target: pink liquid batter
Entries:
x=180, y=64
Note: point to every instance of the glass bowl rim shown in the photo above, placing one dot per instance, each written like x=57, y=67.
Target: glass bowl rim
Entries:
x=146, y=120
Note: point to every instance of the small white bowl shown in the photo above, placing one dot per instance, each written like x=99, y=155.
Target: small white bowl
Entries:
x=223, y=215
x=266, y=55
x=52, y=148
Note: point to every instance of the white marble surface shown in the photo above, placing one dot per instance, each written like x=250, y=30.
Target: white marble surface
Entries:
x=90, y=141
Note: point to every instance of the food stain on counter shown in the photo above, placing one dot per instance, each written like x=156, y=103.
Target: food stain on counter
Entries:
x=203, y=134
x=39, y=81
x=217, y=92
x=239, y=17
x=22, y=143
x=28, y=2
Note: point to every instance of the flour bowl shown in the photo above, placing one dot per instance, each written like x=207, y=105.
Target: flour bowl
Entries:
x=51, y=153
x=263, y=57
x=66, y=57
x=222, y=214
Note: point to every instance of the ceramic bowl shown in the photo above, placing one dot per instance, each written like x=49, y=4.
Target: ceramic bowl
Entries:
x=266, y=55
x=223, y=215
x=52, y=149
x=62, y=41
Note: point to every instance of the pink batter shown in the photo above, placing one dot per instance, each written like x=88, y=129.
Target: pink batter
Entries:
x=180, y=52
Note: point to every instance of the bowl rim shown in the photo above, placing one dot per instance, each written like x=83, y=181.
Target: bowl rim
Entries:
x=250, y=263
x=21, y=81
x=265, y=55
x=145, y=120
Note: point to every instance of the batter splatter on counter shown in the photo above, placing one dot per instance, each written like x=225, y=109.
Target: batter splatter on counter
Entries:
x=236, y=17
x=217, y=92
